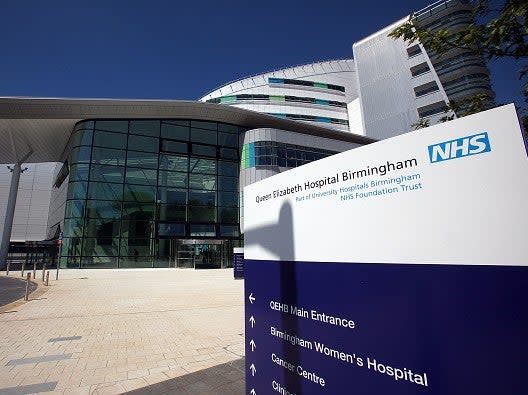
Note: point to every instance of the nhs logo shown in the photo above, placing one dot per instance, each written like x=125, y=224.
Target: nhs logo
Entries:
x=464, y=146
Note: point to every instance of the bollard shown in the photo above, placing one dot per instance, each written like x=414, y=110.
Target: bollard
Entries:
x=43, y=270
x=58, y=260
x=7, y=268
x=28, y=278
x=47, y=278
x=34, y=259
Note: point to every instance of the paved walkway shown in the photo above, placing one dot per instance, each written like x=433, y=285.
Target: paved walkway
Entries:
x=13, y=288
x=144, y=331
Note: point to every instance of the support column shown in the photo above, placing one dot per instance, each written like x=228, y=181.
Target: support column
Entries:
x=11, y=203
x=10, y=213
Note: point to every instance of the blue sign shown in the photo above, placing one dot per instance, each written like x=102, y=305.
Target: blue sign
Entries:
x=399, y=329
x=238, y=264
x=458, y=148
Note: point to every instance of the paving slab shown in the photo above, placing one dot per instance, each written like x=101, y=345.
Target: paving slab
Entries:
x=115, y=331
x=13, y=288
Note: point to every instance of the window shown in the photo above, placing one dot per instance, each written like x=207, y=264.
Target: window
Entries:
x=106, y=156
x=112, y=126
x=175, y=131
x=104, y=173
x=77, y=190
x=222, y=127
x=228, y=168
x=431, y=109
x=172, y=195
x=105, y=191
x=203, y=136
x=145, y=127
x=101, y=246
x=202, y=198
x=311, y=118
x=143, y=143
x=139, y=193
x=204, y=166
x=425, y=89
x=138, y=211
x=109, y=140
x=174, y=163
x=172, y=212
x=176, y=147
x=137, y=229
x=80, y=155
x=204, y=125
x=141, y=176
x=79, y=172
x=203, y=150
x=73, y=227
x=171, y=229
x=229, y=198
x=101, y=227
x=227, y=215
x=142, y=159
x=228, y=140
x=82, y=137
x=103, y=209
x=74, y=209
x=229, y=231
x=203, y=230
x=228, y=153
x=306, y=83
x=135, y=183
x=202, y=214
x=420, y=69
x=228, y=183
x=173, y=179
x=202, y=181
x=271, y=153
x=414, y=50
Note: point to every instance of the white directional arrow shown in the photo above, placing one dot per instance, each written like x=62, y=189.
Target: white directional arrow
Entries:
x=253, y=346
x=251, y=298
x=252, y=392
x=253, y=369
x=252, y=321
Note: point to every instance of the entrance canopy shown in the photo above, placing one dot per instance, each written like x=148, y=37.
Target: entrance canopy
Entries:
x=43, y=125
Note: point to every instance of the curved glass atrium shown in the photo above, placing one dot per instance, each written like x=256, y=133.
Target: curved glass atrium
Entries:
x=152, y=193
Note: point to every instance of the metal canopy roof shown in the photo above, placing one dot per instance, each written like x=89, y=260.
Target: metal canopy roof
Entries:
x=44, y=124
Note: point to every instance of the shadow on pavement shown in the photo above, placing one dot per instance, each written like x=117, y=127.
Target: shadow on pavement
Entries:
x=12, y=289
x=224, y=379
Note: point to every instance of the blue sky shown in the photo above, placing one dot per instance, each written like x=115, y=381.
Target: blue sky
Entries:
x=182, y=50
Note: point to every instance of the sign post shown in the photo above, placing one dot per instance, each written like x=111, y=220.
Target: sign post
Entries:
x=396, y=268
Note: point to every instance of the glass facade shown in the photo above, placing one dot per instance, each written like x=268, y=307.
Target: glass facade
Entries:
x=152, y=193
x=273, y=153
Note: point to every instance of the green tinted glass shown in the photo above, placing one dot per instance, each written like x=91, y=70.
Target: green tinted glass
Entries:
x=104, y=173
x=145, y=127
x=103, y=209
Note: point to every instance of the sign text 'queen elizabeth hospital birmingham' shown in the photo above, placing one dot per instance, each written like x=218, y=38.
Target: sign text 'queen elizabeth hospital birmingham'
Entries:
x=396, y=268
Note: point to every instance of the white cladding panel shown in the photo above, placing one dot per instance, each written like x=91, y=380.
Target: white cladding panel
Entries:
x=336, y=72
x=355, y=117
x=30, y=221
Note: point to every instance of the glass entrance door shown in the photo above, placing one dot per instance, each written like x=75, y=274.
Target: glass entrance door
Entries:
x=183, y=255
x=207, y=256
x=197, y=253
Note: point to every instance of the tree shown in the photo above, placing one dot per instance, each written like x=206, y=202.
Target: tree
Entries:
x=474, y=104
x=502, y=34
x=420, y=123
